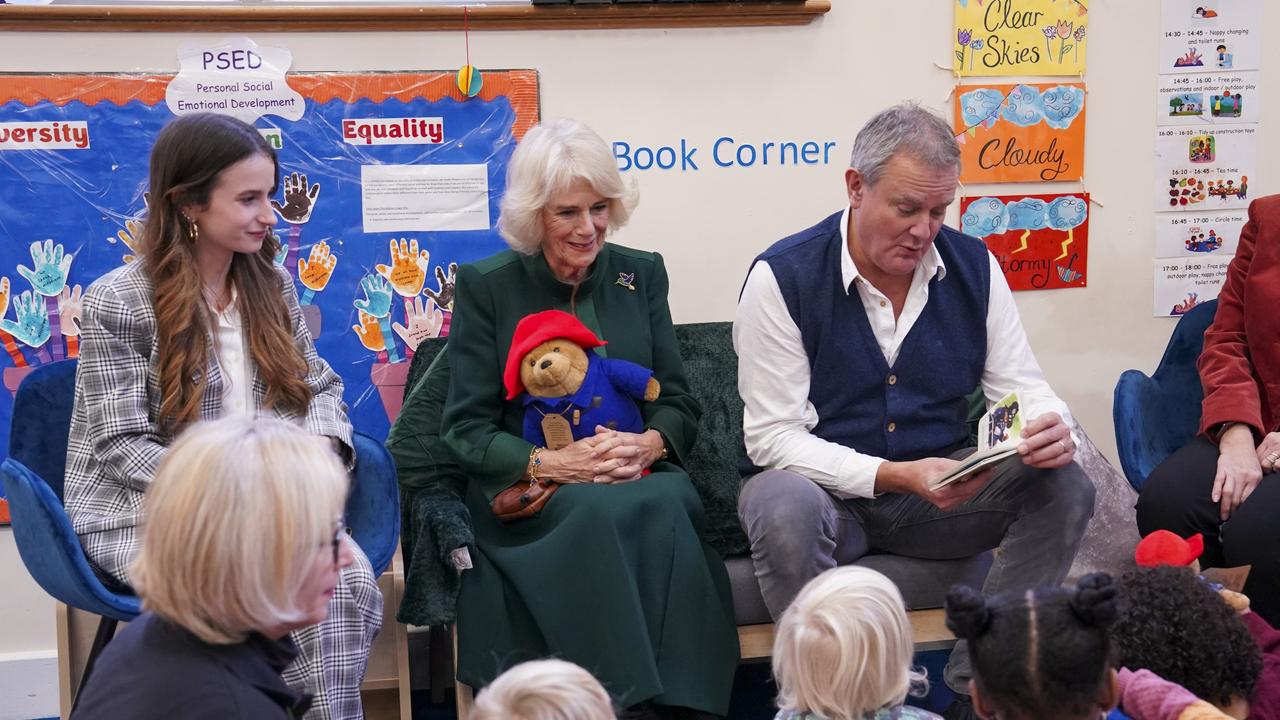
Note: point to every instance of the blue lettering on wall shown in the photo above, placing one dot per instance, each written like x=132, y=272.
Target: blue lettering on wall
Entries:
x=726, y=152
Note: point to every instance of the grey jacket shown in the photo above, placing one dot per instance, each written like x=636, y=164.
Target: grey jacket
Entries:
x=116, y=442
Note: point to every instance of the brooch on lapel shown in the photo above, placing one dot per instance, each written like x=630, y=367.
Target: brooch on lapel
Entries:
x=627, y=280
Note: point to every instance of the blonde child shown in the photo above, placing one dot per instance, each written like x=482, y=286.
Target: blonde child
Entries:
x=544, y=690
x=842, y=651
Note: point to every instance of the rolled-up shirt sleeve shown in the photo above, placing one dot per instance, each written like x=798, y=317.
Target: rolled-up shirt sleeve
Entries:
x=773, y=380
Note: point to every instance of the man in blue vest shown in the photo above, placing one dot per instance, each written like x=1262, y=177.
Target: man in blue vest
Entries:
x=859, y=341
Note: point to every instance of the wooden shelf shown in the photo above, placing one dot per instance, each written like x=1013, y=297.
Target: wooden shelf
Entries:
x=363, y=18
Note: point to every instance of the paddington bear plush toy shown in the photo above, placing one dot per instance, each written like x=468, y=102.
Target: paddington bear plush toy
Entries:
x=567, y=388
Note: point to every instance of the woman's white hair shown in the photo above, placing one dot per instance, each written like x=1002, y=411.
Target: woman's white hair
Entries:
x=843, y=648
x=548, y=161
x=544, y=690
x=234, y=519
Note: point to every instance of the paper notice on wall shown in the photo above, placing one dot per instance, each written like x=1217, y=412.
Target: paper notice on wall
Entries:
x=1199, y=234
x=1209, y=35
x=1208, y=98
x=399, y=198
x=1205, y=168
x=1183, y=283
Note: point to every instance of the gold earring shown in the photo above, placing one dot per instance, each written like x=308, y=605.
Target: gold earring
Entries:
x=193, y=230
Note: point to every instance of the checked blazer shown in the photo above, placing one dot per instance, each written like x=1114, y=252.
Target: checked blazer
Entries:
x=116, y=442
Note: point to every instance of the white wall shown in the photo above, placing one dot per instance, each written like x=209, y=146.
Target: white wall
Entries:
x=820, y=82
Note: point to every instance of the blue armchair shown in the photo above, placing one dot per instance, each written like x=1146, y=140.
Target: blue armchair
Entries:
x=1154, y=416
x=33, y=475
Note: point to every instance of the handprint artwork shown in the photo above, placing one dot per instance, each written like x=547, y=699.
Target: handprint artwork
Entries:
x=369, y=331
x=377, y=297
x=444, y=295
x=31, y=325
x=51, y=266
x=299, y=199
x=131, y=236
x=423, y=322
x=70, y=307
x=315, y=271
x=408, y=271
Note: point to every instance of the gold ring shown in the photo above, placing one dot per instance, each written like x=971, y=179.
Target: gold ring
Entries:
x=1063, y=446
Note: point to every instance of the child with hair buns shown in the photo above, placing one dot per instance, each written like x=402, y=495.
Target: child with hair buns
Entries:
x=1039, y=654
x=842, y=651
x=544, y=690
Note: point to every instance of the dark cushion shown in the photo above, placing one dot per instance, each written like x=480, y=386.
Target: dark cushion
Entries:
x=712, y=368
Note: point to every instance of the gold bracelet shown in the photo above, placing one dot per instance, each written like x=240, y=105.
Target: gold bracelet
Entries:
x=535, y=461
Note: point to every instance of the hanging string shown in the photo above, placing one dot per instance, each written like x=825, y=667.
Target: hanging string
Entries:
x=469, y=79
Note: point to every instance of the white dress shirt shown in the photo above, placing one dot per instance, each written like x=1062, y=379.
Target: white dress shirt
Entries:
x=773, y=369
x=233, y=361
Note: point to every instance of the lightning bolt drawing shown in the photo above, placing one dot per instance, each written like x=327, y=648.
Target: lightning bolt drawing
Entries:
x=1071, y=237
x=1023, y=239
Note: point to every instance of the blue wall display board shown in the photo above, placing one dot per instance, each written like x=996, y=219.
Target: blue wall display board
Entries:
x=73, y=177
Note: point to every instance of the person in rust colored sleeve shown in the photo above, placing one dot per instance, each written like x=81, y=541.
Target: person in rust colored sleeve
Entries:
x=1224, y=483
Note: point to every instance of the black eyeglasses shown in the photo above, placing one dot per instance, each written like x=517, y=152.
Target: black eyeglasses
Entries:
x=339, y=532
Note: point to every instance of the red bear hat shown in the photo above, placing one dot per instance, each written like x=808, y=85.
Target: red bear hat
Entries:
x=1166, y=548
x=535, y=329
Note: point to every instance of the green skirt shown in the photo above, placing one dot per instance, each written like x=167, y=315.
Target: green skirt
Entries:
x=614, y=578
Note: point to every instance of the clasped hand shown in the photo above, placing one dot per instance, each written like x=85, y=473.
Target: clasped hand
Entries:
x=609, y=456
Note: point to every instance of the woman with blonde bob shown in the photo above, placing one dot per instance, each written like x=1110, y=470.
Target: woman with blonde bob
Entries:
x=842, y=651
x=612, y=573
x=544, y=690
x=243, y=544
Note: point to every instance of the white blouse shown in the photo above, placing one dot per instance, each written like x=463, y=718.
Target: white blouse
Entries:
x=233, y=361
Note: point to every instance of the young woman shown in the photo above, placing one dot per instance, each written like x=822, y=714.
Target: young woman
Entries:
x=202, y=326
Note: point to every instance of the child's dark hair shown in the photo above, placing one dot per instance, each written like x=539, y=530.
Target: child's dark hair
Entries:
x=1039, y=653
x=1176, y=626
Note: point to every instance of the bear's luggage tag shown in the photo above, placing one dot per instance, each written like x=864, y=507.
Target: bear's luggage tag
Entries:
x=557, y=431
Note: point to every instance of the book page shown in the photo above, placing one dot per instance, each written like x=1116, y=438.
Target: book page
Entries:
x=999, y=432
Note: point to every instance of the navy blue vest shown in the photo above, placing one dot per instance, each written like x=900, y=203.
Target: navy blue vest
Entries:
x=917, y=408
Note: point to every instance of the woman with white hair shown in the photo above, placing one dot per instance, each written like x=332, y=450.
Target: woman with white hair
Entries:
x=612, y=574
x=243, y=544
x=842, y=651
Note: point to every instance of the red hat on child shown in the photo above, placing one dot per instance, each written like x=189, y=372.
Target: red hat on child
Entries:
x=1166, y=548
x=535, y=329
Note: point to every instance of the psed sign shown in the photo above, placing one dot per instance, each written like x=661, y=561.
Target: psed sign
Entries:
x=230, y=60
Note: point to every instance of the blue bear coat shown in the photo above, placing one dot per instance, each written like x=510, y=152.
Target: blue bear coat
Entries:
x=605, y=398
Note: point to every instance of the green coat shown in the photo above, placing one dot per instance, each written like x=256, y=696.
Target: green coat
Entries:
x=615, y=578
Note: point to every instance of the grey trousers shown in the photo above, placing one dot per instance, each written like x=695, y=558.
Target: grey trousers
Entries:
x=1035, y=517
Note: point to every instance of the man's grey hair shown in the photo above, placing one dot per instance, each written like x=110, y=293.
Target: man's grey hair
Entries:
x=908, y=129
